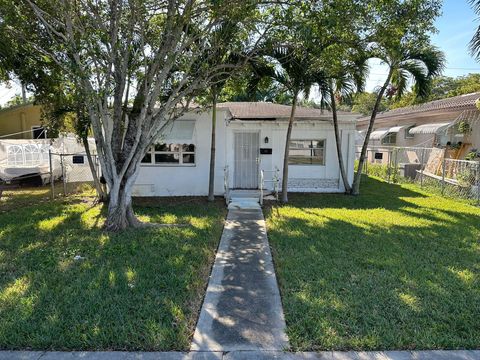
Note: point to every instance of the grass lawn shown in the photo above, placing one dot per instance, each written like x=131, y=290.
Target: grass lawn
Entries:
x=140, y=289
x=18, y=197
x=394, y=268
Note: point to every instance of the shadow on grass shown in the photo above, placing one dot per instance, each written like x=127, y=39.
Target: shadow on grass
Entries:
x=66, y=284
x=390, y=269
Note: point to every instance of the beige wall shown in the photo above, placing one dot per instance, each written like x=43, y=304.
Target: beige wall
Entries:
x=421, y=140
x=18, y=119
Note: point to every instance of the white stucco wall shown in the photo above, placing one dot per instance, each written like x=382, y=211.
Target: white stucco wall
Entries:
x=171, y=180
x=302, y=178
x=154, y=180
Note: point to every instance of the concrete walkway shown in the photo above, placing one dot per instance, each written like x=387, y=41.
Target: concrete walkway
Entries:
x=242, y=309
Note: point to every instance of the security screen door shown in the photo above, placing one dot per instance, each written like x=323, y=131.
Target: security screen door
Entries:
x=246, y=160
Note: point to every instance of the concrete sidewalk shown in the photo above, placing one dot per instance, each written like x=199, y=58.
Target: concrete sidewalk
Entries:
x=243, y=355
x=242, y=309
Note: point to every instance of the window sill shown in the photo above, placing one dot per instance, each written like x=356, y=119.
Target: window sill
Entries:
x=306, y=165
x=169, y=165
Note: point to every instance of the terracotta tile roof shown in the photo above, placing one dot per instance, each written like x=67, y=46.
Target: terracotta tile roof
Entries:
x=453, y=103
x=271, y=111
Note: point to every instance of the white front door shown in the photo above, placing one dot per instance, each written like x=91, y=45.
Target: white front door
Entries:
x=246, y=160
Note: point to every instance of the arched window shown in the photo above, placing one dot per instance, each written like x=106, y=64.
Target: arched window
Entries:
x=14, y=155
x=32, y=154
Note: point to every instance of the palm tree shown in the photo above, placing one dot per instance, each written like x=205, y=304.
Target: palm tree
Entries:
x=475, y=42
x=405, y=62
x=227, y=32
x=295, y=76
x=341, y=84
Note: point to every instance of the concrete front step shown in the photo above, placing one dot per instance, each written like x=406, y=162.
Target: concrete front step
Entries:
x=236, y=193
x=242, y=204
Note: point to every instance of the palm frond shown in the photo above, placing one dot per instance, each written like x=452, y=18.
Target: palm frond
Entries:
x=431, y=57
x=400, y=81
x=423, y=65
x=475, y=5
x=474, y=44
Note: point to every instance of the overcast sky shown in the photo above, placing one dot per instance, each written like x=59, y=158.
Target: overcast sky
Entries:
x=456, y=27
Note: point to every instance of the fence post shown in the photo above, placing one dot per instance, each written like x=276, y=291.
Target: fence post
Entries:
x=422, y=162
x=365, y=166
x=444, y=166
x=478, y=183
x=51, y=173
x=64, y=180
x=389, y=165
x=395, y=164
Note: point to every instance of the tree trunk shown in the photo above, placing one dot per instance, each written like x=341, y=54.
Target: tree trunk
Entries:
x=120, y=211
x=338, y=142
x=287, y=145
x=96, y=180
x=211, y=180
x=361, y=162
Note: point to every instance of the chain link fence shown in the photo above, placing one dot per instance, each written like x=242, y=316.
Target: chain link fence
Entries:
x=431, y=168
x=75, y=173
x=45, y=177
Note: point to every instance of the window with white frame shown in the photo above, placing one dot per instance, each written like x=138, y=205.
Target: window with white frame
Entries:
x=39, y=132
x=306, y=152
x=390, y=139
x=170, y=154
x=407, y=132
x=15, y=156
x=32, y=154
x=27, y=154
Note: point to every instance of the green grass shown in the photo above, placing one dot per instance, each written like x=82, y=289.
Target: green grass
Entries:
x=394, y=268
x=135, y=290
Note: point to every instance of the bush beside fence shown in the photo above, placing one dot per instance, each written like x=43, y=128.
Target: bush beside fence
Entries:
x=427, y=167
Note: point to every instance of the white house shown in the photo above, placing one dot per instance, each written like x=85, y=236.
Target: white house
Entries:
x=250, y=142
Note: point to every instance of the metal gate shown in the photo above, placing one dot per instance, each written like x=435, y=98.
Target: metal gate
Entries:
x=246, y=160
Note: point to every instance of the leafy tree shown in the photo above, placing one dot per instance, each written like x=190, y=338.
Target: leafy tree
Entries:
x=442, y=87
x=246, y=86
x=363, y=103
x=17, y=100
x=63, y=108
x=463, y=85
x=95, y=44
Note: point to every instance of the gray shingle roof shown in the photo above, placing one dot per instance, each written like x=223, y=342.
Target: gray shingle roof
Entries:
x=271, y=111
x=453, y=103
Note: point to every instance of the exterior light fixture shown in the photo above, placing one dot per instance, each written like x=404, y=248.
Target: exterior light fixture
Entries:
x=266, y=140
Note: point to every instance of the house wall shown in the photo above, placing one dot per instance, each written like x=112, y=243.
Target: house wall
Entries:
x=154, y=180
x=169, y=180
x=302, y=178
x=20, y=119
x=474, y=138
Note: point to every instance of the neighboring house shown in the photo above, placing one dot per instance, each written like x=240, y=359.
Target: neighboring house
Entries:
x=250, y=137
x=21, y=122
x=439, y=123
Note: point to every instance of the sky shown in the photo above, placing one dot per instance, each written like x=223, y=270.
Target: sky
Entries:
x=455, y=27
